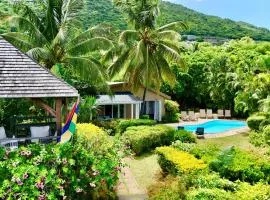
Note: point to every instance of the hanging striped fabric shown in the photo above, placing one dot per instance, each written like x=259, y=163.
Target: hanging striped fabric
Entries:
x=70, y=125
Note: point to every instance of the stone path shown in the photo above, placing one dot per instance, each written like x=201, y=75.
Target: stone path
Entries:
x=128, y=188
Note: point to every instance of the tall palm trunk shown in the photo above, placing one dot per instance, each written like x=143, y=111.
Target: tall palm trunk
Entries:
x=143, y=108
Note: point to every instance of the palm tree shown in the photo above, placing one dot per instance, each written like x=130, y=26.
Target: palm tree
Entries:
x=146, y=52
x=55, y=37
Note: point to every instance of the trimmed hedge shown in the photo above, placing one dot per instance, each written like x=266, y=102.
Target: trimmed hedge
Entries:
x=174, y=161
x=236, y=164
x=255, y=121
x=124, y=124
x=184, y=136
x=144, y=138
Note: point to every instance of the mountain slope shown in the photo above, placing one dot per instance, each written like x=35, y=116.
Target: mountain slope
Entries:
x=200, y=24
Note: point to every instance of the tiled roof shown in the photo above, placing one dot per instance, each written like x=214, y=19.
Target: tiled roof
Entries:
x=117, y=99
x=21, y=77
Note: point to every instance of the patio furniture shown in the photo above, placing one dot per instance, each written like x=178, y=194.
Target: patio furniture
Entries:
x=191, y=115
x=209, y=114
x=228, y=114
x=202, y=113
x=184, y=116
x=7, y=142
x=200, y=132
x=220, y=113
x=180, y=128
x=215, y=116
x=39, y=131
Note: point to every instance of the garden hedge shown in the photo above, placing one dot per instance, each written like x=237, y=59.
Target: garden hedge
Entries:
x=174, y=161
x=145, y=138
x=124, y=124
x=184, y=136
x=254, y=121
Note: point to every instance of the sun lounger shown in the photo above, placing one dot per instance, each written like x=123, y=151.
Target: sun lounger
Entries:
x=220, y=113
x=202, y=113
x=39, y=131
x=228, y=114
x=209, y=113
x=184, y=116
x=191, y=115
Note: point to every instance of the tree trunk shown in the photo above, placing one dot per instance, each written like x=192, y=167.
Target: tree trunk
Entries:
x=143, y=108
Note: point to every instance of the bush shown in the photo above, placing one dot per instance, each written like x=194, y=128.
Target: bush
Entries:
x=235, y=164
x=205, y=152
x=56, y=171
x=144, y=138
x=264, y=123
x=124, y=124
x=266, y=134
x=210, y=181
x=184, y=136
x=144, y=117
x=171, y=111
x=250, y=192
x=174, y=161
x=257, y=138
x=110, y=126
x=255, y=121
x=205, y=194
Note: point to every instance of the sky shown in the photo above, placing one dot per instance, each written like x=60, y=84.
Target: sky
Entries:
x=256, y=12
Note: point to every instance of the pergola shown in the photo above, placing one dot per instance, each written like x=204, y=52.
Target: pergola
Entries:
x=21, y=77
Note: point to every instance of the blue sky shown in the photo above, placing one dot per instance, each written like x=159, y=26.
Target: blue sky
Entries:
x=256, y=12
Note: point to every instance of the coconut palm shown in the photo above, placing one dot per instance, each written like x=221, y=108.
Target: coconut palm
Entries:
x=146, y=52
x=50, y=33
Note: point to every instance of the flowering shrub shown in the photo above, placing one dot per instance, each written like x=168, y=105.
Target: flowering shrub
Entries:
x=144, y=138
x=172, y=160
x=205, y=193
x=56, y=171
x=251, y=192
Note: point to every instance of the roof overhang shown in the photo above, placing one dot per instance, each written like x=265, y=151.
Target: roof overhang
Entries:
x=117, y=99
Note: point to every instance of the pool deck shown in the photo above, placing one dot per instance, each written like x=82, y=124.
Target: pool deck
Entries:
x=216, y=135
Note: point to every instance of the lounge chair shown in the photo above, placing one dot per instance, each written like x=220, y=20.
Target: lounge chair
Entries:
x=191, y=115
x=220, y=113
x=202, y=113
x=184, y=116
x=39, y=132
x=12, y=144
x=228, y=114
x=200, y=132
x=209, y=114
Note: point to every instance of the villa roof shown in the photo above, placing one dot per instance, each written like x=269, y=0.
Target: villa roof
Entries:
x=117, y=99
x=21, y=77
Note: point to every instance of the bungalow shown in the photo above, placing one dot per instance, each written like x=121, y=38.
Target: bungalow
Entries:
x=126, y=103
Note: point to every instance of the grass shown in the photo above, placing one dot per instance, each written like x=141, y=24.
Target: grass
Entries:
x=144, y=168
x=240, y=140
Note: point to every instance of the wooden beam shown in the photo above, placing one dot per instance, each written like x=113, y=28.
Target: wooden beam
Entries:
x=42, y=104
x=58, y=109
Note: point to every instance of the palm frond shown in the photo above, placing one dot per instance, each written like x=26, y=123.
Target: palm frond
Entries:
x=170, y=54
x=93, y=44
x=176, y=26
x=169, y=35
x=20, y=40
x=128, y=37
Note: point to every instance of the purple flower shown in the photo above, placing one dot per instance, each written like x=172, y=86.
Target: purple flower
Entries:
x=39, y=185
x=19, y=182
x=64, y=161
x=41, y=197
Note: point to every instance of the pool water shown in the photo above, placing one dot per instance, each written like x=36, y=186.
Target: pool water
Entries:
x=217, y=126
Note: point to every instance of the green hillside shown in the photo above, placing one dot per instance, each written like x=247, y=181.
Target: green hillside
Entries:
x=200, y=24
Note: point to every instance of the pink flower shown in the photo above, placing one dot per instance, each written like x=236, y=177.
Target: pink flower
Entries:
x=41, y=197
x=64, y=161
x=39, y=185
x=19, y=182
x=25, y=176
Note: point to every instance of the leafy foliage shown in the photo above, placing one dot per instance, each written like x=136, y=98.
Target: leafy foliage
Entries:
x=124, y=124
x=184, y=136
x=145, y=138
x=175, y=161
x=255, y=121
x=171, y=111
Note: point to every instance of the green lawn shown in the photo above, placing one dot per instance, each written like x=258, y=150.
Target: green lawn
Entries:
x=145, y=168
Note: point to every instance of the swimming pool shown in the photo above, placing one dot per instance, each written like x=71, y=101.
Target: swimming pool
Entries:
x=217, y=126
